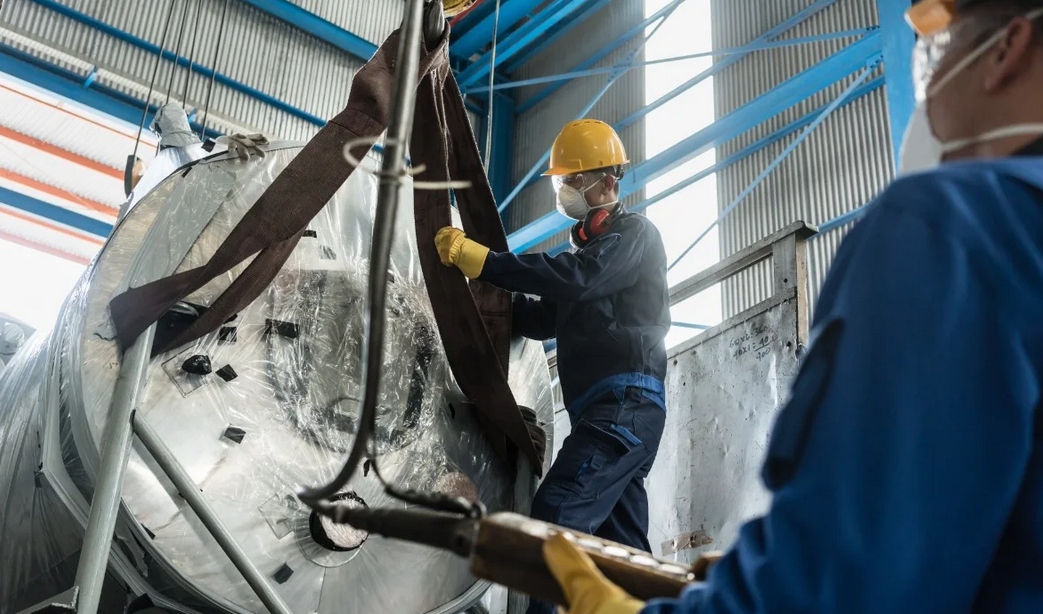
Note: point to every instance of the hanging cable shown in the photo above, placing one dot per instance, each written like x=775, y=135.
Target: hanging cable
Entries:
x=191, y=54
x=403, y=97
x=177, y=50
x=492, y=93
x=213, y=74
x=129, y=169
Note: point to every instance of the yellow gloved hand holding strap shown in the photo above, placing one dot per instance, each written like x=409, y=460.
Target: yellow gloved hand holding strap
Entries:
x=455, y=249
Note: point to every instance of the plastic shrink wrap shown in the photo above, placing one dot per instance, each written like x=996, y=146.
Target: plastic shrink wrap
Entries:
x=13, y=334
x=255, y=411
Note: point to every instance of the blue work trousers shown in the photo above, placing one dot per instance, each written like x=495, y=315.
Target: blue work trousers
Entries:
x=597, y=483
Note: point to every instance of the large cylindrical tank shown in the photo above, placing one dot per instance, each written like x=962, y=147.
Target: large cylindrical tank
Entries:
x=278, y=412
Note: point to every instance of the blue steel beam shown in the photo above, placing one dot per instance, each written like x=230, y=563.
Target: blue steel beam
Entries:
x=742, y=154
x=898, y=42
x=755, y=112
x=499, y=170
x=841, y=220
x=530, y=177
x=615, y=76
x=73, y=86
x=772, y=34
x=55, y=213
x=603, y=53
x=833, y=106
x=568, y=76
x=516, y=42
x=316, y=26
x=481, y=34
x=141, y=43
x=796, y=89
x=548, y=40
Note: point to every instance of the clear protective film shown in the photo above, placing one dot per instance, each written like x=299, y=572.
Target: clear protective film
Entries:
x=254, y=412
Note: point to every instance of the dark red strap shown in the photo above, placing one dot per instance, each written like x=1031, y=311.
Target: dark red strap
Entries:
x=473, y=319
x=273, y=225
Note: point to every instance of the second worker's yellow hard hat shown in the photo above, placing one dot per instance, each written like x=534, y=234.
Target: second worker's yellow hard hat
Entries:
x=585, y=145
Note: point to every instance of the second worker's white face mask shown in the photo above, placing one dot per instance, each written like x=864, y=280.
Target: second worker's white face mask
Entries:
x=572, y=202
x=921, y=150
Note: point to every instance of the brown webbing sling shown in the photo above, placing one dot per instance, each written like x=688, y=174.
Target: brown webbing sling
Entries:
x=474, y=319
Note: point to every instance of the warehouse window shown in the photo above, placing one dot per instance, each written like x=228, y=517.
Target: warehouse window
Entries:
x=33, y=284
x=684, y=215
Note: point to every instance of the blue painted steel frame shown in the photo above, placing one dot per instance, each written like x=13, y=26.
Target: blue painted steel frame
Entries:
x=500, y=166
x=898, y=41
x=480, y=35
x=796, y=89
x=768, y=170
x=744, y=153
x=520, y=60
x=518, y=40
x=603, y=53
x=77, y=88
x=568, y=76
x=806, y=84
x=316, y=26
x=182, y=61
x=54, y=213
x=778, y=30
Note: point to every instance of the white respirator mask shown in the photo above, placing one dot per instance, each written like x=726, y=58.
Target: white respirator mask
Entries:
x=572, y=202
x=922, y=149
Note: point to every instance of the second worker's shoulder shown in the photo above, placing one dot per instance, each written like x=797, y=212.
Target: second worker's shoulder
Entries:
x=636, y=224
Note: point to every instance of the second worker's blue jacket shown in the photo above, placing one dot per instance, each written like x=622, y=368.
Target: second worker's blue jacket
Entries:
x=608, y=305
x=907, y=468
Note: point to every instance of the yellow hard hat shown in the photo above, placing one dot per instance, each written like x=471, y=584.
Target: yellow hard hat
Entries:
x=585, y=145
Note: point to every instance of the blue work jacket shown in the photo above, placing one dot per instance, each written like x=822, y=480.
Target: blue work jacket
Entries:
x=907, y=468
x=607, y=304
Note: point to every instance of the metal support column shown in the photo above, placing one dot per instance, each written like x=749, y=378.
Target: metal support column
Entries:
x=97, y=541
x=499, y=170
x=898, y=42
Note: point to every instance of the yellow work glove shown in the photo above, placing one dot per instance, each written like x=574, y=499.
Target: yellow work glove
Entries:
x=455, y=249
x=587, y=590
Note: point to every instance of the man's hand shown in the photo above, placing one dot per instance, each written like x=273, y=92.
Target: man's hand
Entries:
x=244, y=145
x=455, y=249
x=586, y=588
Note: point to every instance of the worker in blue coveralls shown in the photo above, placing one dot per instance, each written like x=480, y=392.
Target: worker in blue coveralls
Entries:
x=608, y=306
x=907, y=467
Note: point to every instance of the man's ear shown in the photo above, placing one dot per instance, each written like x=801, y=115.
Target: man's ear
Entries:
x=1013, y=54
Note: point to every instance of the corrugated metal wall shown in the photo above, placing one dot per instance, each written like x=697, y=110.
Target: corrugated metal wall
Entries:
x=258, y=50
x=840, y=167
x=536, y=128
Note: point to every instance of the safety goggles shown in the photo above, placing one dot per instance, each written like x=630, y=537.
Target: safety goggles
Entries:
x=577, y=181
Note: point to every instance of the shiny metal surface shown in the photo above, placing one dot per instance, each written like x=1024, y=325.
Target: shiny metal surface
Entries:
x=287, y=396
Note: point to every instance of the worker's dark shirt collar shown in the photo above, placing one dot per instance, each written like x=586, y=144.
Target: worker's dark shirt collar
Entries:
x=1035, y=148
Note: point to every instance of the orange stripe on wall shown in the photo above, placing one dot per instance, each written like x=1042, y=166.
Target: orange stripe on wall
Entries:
x=61, y=153
x=47, y=188
x=55, y=227
x=62, y=109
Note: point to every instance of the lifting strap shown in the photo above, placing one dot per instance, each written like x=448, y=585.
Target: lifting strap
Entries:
x=474, y=319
